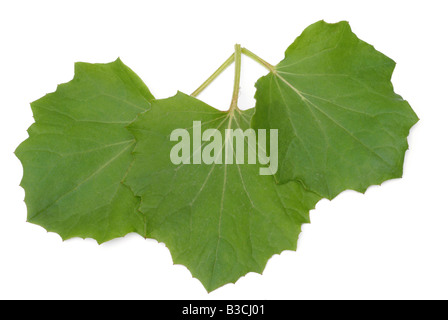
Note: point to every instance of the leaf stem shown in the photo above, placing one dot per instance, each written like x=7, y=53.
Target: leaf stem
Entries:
x=256, y=58
x=215, y=75
x=236, y=87
x=235, y=57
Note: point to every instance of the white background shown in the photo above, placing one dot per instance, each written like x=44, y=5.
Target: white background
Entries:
x=391, y=243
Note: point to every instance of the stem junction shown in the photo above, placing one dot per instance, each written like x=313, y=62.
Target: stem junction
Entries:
x=235, y=57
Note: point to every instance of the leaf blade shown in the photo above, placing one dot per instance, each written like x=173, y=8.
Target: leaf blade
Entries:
x=341, y=124
x=221, y=221
x=79, y=151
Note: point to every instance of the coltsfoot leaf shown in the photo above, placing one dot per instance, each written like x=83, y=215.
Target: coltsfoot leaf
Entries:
x=98, y=162
x=341, y=126
x=79, y=151
x=222, y=221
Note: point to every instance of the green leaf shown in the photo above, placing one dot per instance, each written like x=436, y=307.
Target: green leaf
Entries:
x=341, y=126
x=221, y=221
x=79, y=151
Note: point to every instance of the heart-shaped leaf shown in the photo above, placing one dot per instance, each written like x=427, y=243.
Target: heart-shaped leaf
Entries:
x=341, y=126
x=79, y=151
x=220, y=220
